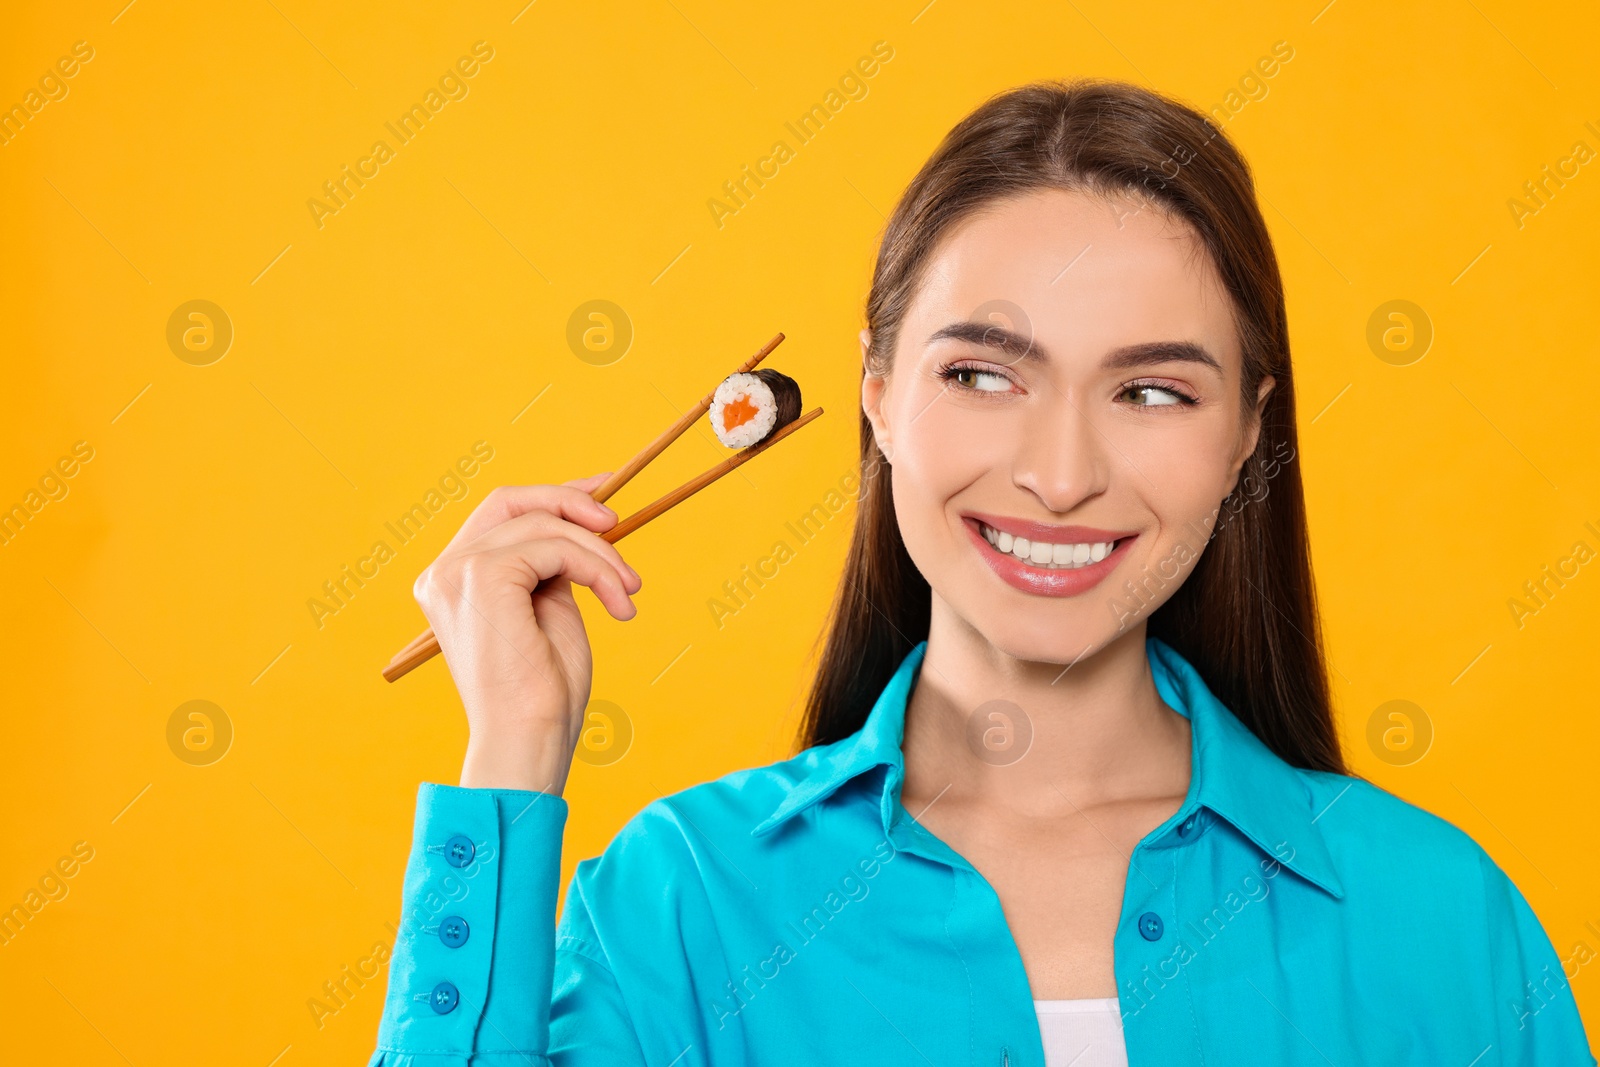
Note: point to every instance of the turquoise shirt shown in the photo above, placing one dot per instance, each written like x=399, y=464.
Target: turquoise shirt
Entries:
x=797, y=914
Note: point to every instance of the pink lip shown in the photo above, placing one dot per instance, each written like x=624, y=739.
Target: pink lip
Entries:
x=1054, y=535
x=1042, y=581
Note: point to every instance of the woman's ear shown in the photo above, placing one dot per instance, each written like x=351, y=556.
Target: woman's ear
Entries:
x=872, y=390
x=1252, y=433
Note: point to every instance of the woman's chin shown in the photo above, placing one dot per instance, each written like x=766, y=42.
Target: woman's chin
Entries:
x=1047, y=641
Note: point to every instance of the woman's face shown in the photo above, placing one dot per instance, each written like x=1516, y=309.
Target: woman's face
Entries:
x=1062, y=418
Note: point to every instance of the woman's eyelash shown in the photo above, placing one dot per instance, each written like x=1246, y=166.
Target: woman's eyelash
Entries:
x=949, y=372
x=1185, y=399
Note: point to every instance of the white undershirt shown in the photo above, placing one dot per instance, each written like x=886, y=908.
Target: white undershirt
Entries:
x=1082, y=1033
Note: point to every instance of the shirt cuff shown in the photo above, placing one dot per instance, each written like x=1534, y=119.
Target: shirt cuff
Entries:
x=473, y=958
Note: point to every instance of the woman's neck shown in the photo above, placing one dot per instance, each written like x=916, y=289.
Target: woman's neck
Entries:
x=1099, y=729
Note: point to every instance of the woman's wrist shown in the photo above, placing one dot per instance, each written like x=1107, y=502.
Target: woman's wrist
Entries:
x=537, y=762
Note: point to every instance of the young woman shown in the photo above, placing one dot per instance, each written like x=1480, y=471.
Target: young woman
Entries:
x=1071, y=790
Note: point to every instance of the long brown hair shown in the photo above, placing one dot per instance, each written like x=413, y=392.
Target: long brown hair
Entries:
x=1246, y=617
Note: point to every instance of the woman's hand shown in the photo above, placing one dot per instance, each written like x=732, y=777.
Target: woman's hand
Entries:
x=499, y=599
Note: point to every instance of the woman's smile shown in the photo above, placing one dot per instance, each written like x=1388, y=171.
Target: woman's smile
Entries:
x=1073, y=561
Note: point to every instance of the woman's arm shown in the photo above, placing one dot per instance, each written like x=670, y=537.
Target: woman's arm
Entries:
x=474, y=974
x=476, y=977
x=1539, y=1024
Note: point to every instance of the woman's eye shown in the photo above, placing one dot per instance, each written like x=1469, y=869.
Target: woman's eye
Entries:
x=1154, y=396
x=983, y=381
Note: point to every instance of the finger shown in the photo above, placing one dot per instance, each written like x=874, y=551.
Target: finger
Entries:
x=543, y=559
x=537, y=524
x=508, y=501
x=591, y=483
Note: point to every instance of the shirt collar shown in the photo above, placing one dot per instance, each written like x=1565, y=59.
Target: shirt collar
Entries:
x=1233, y=774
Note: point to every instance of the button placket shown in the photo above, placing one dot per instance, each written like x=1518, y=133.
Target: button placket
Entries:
x=1149, y=968
x=453, y=931
x=455, y=897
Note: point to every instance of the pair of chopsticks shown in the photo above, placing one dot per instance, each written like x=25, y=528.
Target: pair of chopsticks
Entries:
x=426, y=645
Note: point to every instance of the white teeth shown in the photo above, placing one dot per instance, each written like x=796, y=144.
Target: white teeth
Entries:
x=1044, y=554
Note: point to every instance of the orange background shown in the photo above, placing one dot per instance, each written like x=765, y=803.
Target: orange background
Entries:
x=373, y=346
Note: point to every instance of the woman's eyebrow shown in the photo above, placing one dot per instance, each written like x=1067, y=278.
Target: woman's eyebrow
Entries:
x=1130, y=356
x=1026, y=349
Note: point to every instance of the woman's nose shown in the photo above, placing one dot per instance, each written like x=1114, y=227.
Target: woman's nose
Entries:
x=1062, y=457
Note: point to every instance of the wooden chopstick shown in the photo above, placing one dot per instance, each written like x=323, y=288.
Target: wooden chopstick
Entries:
x=426, y=646
x=621, y=477
x=694, y=485
x=416, y=643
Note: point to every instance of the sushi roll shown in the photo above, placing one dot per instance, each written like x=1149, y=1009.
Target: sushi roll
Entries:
x=747, y=408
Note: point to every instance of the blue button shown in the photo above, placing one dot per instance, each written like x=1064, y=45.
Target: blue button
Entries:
x=458, y=850
x=453, y=931
x=444, y=999
x=1187, y=826
x=1150, y=926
